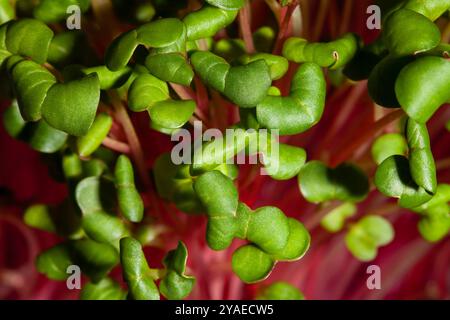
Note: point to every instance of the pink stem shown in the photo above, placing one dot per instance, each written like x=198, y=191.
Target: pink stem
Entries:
x=133, y=140
x=117, y=146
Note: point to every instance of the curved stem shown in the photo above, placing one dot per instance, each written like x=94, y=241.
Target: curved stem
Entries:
x=117, y=146
x=133, y=140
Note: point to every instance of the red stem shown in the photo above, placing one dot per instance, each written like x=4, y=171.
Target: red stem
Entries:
x=245, y=25
x=367, y=135
x=286, y=18
x=133, y=140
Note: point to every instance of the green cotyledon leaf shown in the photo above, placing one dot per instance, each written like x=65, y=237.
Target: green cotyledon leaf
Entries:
x=333, y=55
x=43, y=137
x=423, y=86
x=145, y=91
x=38, y=216
x=297, y=244
x=63, y=219
x=345, y=182
x=432, y=9
x=207, y=21
x=95, y=259
x=49, y=11
x=104, y=228
x=217, y=151
x=94, y=197
x=388, y=145
x=91, y=141
x=245, y=85
x=4, y=53
x=399, y=27
x=54, y=262
x=382, y=80
x=170, y=115
x=280, y=291
x=285, y=164
x=39, y=135
x=335, y=219
x=136, y=271
x=268, y=228
x=434, y=223
x=30, y=38
x=256, y=226
x=442, y=196
x=71, y=166
x=421, y=161
x=161, y=33
x=71, y=107
x=63, y=47
x=13, y=121
x=171, y=67
x=227, y=4
x=6, y=11
x=109, y=79
x=130, y=201
x=175, y=183
x=31, y=84
x=106, y=289
x=175, y=285
x=121, y=50
x=299, y=111
x=220, y=197
x=251, y=264
x=278, y=65
x=271, y=234
x=393, y=178
x=369, y=233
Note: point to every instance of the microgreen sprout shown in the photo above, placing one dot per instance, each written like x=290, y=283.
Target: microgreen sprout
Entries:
x=76, y=96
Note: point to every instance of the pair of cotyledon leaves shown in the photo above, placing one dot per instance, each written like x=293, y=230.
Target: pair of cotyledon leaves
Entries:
x=140, y=278
x=174, y=283
x=362, y=238
x=319, y=183
x=412, y=180
x=368, y=234
x=246, y=85
x=108, y=234
x=97, y=259
x=273, y=237
x=406, y=66
x=406, y=178
x=434, y=224
x=69, y=107
x=46, y=139
x=93, y=197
